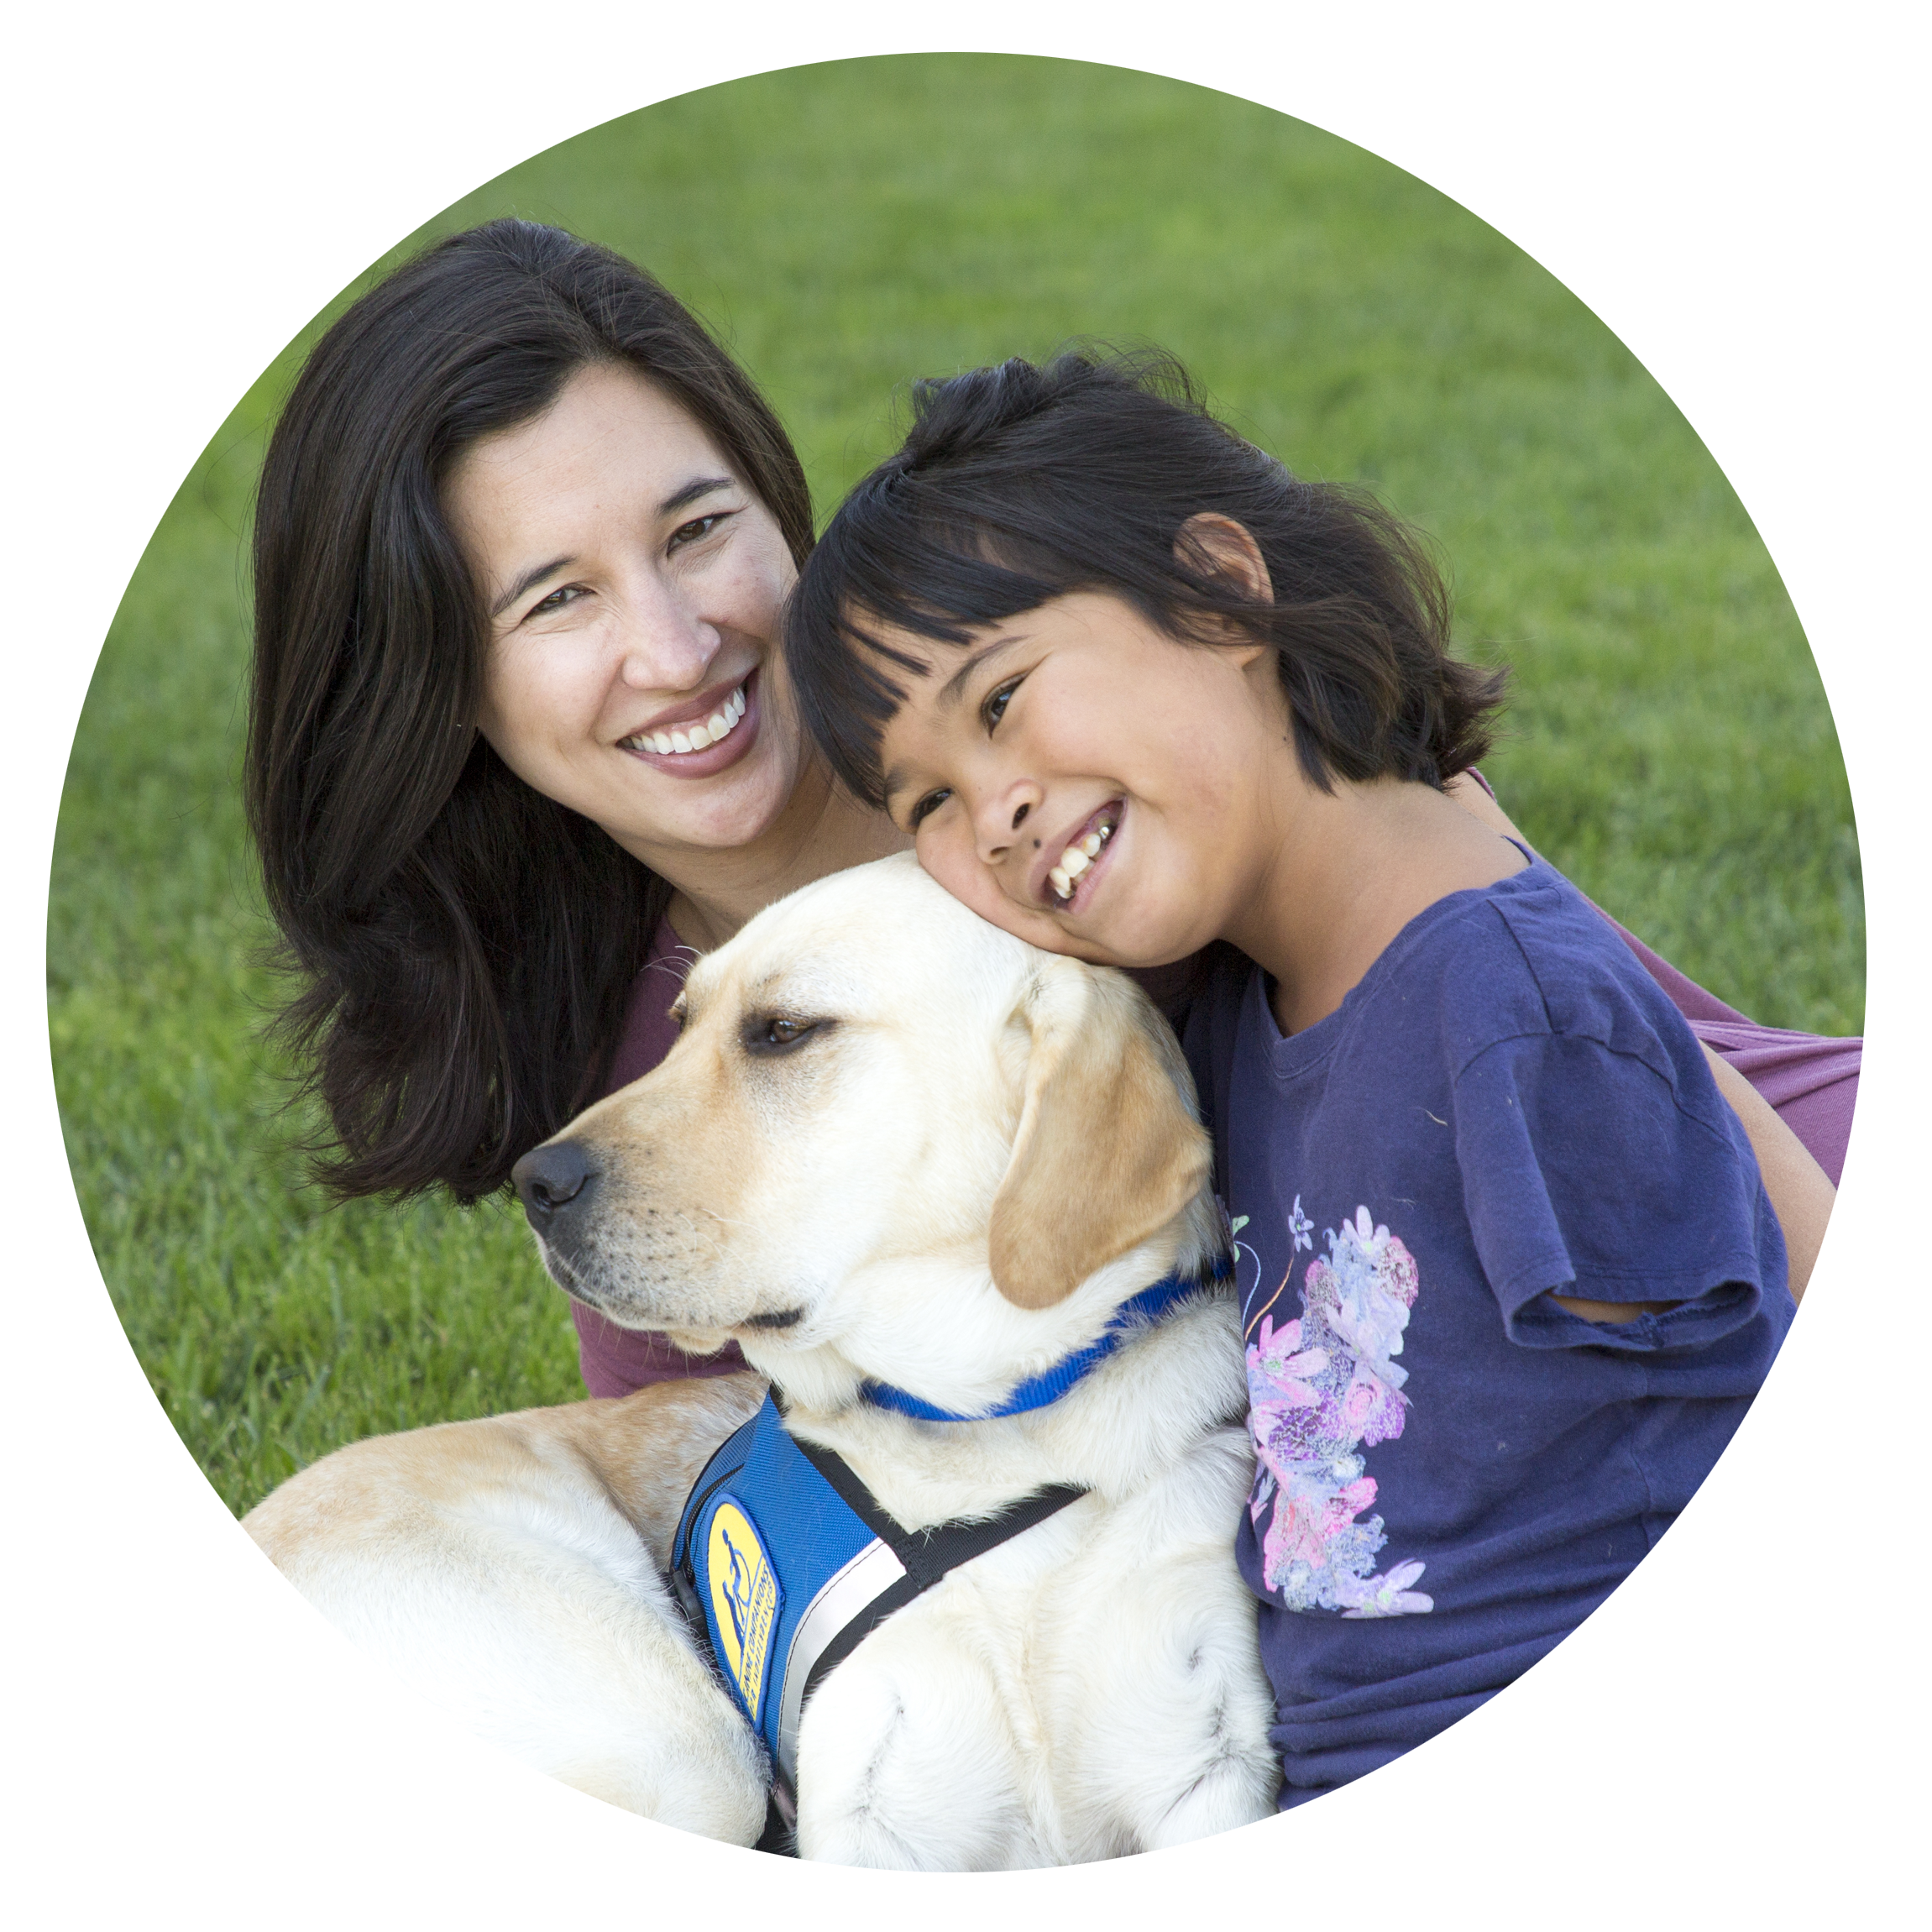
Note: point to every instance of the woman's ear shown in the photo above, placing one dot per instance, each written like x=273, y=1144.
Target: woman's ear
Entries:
x=1211, y=545
x=1107, y=1149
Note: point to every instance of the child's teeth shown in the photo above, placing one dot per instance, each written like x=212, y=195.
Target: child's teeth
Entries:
x=1073, y=861
x=1090, y=844
x=1060, y=882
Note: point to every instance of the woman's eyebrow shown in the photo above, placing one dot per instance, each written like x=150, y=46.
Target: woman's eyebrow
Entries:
x=529, y=581
x=704, y=486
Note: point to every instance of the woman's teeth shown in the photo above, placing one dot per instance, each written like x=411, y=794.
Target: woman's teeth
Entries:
x=1075, y=859
x=720, y=725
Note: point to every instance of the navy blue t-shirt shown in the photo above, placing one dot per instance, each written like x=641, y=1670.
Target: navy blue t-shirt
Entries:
x=1452, y=1472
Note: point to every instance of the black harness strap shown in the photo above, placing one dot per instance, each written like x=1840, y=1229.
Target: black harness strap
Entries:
x=927, y=1556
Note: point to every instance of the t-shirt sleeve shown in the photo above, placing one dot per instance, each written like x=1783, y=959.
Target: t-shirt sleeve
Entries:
x=1598, y=1173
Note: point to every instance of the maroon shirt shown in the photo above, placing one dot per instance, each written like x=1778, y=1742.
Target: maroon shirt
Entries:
x=617, y=1360
x=1811, y=1082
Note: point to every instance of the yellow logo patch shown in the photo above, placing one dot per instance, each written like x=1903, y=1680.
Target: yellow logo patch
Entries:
x=744, y=1601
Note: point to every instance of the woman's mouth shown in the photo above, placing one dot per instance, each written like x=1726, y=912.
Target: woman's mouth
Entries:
x=1075, y=868
x=713, y=735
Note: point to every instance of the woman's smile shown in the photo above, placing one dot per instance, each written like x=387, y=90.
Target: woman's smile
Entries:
x=699, y=738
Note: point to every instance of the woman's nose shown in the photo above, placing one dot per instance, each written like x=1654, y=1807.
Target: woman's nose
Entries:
x=667, y=646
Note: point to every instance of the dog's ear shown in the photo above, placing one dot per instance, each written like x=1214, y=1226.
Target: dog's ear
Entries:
x=1107, y=1149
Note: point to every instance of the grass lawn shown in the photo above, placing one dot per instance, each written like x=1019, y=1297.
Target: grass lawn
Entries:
x=845, y=227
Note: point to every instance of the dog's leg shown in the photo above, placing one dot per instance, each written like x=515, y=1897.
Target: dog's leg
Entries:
x=905, y=1762
x=1223, y=1822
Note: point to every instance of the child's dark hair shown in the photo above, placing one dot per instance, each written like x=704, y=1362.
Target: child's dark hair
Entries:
x=1022, y=483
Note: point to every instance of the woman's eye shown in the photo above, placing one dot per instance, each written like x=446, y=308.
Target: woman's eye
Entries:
x=566, y=594
x=698, y=528
x=925, y=808
x=994, y=708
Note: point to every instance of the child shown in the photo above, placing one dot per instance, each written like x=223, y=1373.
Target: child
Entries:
x=1508, y=1276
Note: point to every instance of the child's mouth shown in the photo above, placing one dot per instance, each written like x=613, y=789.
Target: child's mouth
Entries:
x=1074, y=867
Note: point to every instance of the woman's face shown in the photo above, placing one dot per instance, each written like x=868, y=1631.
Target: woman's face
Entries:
x=634, y=583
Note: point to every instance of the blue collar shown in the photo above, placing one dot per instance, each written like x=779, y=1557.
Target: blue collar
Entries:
x=1038, y=1390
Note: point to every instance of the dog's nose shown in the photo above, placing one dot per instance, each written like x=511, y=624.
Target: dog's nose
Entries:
x=550, y=1177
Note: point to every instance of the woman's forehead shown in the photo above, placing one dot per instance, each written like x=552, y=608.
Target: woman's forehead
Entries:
x=611, y=443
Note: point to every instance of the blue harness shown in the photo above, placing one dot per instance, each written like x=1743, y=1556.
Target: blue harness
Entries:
x=787, y=1562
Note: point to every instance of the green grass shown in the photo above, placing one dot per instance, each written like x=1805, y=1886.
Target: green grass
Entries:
x=847, y=227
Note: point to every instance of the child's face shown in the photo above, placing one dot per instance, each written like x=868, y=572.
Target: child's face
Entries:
x=1088, y=783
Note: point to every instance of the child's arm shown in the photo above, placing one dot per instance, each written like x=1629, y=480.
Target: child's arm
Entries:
x=1801, y=1192
x=1826, y=1266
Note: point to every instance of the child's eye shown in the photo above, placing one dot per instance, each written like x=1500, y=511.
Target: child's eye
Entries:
x=994, y=708
x=924, y=808
x=698, y=526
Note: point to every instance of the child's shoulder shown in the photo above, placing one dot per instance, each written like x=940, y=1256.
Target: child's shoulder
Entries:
x=1529, y=954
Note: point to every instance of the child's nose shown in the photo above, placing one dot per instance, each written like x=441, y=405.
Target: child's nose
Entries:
x=1000, y=822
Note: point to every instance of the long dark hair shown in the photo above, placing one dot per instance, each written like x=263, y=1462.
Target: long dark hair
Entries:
x=465, y=943
x=1020, y=483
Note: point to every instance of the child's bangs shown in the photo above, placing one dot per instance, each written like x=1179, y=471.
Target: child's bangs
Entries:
x=878, y=581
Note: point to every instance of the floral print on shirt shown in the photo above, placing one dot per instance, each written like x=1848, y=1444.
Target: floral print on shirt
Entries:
x=1320, y=1388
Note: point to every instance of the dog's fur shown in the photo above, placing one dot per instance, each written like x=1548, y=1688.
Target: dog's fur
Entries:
x=970, y=1156
x=951, y=1178
x=443, y=1650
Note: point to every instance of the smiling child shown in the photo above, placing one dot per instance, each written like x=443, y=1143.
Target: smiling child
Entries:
x=1510, y=1276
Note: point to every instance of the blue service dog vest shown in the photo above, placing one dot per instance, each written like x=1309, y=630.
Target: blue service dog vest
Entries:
x=787, y=1562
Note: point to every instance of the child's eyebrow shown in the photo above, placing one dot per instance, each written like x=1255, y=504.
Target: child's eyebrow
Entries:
x=949, y=695
x=951, y=691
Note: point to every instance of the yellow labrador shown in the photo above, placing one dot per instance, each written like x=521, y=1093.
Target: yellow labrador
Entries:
x=892, y=1145
x=895, y=1144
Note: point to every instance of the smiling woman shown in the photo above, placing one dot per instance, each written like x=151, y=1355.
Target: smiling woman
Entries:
x=625, y=673
x=519, y=726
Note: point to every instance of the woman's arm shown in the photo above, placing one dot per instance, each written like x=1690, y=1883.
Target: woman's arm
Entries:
x=1826, y=1256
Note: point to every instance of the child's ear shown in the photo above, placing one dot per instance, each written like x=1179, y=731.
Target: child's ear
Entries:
x=1211, y=545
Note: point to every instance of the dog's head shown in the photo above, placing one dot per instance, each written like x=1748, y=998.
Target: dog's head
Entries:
x=890, y=1140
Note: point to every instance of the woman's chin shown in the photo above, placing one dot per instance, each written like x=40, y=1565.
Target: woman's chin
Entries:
x=744, y=804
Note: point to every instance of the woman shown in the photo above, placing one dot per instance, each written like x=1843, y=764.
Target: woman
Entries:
x=519, y=731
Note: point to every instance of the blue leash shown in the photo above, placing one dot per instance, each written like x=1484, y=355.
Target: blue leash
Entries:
x=1038, y=1390
x=70, y=1779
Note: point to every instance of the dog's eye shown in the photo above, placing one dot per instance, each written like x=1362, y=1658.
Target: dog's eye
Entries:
x=680, y=1012
x=778, y=1032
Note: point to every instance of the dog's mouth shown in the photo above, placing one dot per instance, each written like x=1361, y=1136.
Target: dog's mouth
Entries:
x=611, y=1305
x=780, y=1318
